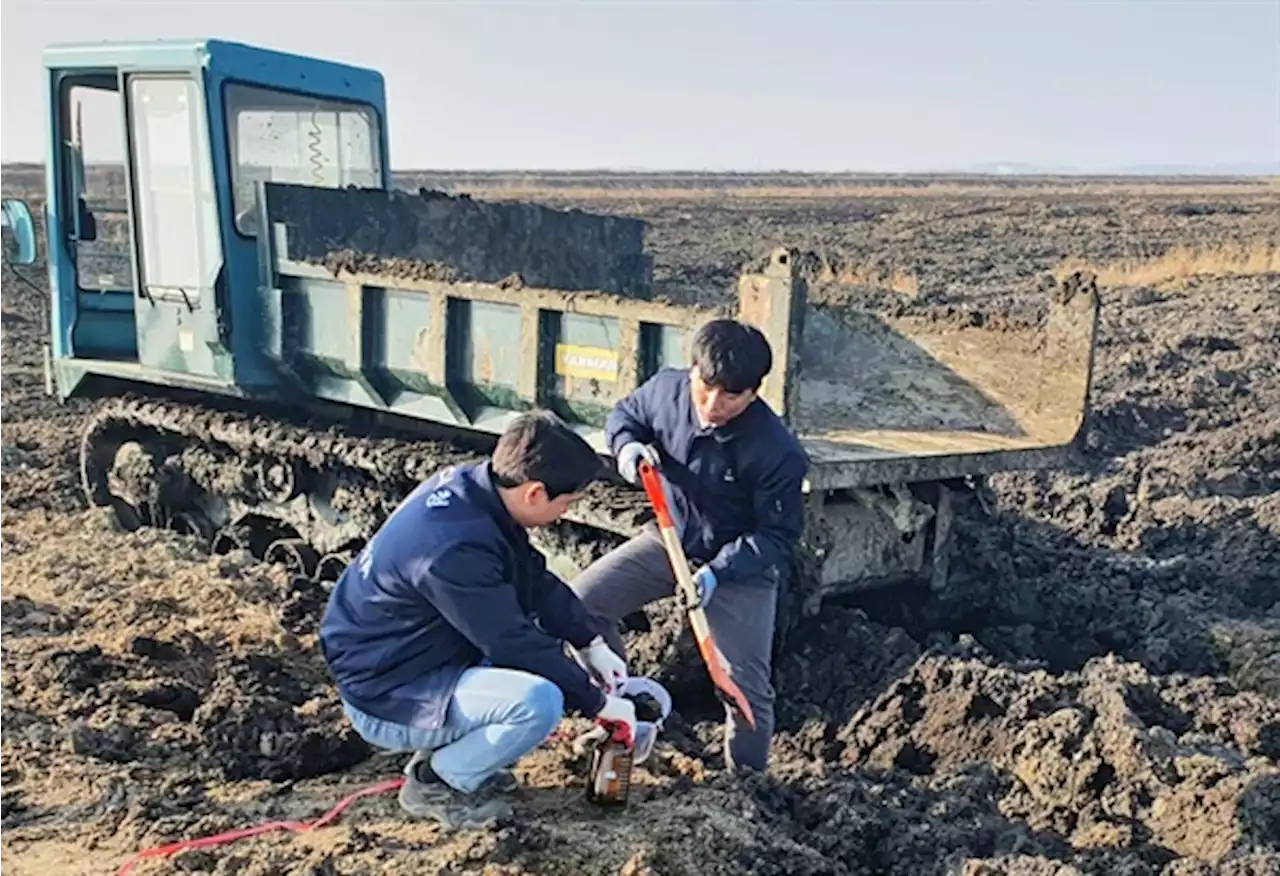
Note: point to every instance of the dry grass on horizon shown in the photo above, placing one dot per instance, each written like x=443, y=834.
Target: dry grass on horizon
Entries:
x=1182, y=263
x=536, y=191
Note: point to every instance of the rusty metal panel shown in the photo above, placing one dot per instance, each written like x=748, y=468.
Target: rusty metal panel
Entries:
x=484, y=354
x=588, y=363
x=774, y=301
x=405, y=335
x=594, y=303
x=315, y=321
x=663, y=346
x=863, y=541
x=903, y=397
x=917, y=397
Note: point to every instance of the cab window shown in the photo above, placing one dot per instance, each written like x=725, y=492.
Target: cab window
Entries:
x=291, y=138
x=96, y=203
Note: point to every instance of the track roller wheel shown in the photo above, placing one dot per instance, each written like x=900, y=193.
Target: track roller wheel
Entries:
x=232, y=538
x=298, y=557
x=121, y=474
x=277, y=479
x=331, y=566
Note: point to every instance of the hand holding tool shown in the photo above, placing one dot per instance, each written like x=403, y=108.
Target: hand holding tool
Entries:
x=726, y=688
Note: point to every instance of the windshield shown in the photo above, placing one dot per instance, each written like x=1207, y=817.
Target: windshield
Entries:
x=280, y=137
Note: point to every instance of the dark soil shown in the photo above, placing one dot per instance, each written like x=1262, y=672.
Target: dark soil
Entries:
x=1099, y=692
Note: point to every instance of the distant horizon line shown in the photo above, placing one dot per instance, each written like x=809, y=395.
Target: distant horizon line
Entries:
x=986, y=169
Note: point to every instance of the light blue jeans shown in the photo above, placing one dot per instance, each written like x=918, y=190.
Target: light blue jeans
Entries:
x=496, y=716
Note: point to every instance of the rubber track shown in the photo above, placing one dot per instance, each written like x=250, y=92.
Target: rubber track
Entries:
x=394, y=463
x=385, y=459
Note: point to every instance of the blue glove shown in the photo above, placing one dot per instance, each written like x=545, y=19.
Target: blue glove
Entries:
x=704, y=581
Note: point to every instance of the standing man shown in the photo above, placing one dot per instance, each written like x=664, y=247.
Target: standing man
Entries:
x=446, y=634
x=735, y=473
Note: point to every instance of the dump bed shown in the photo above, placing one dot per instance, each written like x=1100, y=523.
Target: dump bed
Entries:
x=390, y=307
x=921, y=397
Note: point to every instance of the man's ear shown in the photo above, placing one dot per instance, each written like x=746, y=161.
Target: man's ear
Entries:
x=535, y=493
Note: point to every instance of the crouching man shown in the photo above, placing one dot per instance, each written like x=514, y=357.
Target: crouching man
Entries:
x=446, y=634
x=736, y=475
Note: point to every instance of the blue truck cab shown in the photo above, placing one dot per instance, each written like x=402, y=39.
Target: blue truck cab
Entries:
x=154, y=150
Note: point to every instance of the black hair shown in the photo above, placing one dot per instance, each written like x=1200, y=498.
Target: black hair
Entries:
x=731, y=355
x=539, y=446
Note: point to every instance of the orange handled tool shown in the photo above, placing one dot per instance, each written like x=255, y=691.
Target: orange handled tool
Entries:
x=729, y=691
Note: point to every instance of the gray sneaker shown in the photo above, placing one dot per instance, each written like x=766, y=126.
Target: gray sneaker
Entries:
x=426, y=795
x=501, y=782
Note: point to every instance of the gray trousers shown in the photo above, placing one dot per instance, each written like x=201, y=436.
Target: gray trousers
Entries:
x=741, y=617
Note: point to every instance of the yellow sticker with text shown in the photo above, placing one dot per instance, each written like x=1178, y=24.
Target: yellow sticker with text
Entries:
x=589, y=363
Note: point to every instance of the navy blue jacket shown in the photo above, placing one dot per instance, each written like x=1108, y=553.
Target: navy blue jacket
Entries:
x=449, y=580
x=736, y=489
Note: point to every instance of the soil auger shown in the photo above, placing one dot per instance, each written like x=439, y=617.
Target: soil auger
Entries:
x=726, y=688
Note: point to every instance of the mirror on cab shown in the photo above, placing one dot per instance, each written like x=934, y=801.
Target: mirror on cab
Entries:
x=19, y=232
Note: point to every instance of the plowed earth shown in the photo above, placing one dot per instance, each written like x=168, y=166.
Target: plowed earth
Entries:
x=1098, y=693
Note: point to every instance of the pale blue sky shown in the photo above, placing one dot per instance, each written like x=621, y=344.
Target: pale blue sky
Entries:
x=876, y=86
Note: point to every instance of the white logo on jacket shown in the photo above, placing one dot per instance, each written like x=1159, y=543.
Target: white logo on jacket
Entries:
x=366, y=558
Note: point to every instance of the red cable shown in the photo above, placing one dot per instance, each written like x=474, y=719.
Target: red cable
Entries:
x=296, y=826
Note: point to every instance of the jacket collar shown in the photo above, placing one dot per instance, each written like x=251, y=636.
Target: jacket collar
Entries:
x=489, y=498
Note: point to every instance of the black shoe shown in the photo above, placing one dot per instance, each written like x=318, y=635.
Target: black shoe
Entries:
x=426, y=795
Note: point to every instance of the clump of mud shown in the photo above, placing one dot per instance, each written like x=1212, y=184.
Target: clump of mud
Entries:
x=1107, y=758
x=356, y=262
x=154, y=654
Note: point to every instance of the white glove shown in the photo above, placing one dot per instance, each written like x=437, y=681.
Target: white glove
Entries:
x=619, y=711
x=610, y=669
x=629, y=460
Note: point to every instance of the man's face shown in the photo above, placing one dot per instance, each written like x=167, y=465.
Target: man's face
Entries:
x=716, y=407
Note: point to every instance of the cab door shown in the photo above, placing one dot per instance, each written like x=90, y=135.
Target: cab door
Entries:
x=180, y=255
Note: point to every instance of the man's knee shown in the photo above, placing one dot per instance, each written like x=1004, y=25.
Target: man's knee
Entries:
x=625, y=579
x=542, y=705
x=590, y=586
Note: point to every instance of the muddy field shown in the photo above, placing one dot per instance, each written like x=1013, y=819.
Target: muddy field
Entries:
x=1100, y=693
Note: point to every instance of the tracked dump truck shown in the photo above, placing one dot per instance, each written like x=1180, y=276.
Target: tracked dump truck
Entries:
x=283, y=345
